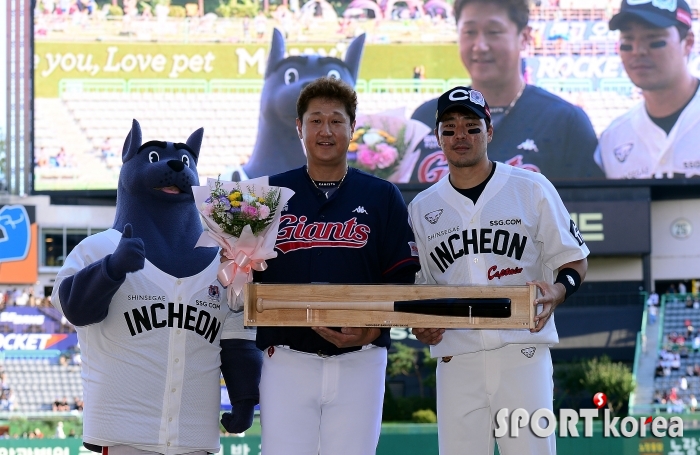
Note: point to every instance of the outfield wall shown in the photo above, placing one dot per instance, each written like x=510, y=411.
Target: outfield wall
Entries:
x=409, y=439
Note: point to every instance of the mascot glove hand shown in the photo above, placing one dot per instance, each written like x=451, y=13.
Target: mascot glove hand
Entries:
x=241, y=418
x=130, y=255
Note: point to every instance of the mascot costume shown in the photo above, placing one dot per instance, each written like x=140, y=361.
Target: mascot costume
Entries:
x=277, y=147
x=154, y=326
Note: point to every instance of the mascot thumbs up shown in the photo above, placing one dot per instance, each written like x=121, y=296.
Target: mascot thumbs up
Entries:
x=154, y=326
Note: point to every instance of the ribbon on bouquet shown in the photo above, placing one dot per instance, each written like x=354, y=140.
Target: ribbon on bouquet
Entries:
x=235, y=273
x=243, y=255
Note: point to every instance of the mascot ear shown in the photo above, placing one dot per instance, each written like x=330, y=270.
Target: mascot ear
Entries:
x=354, y=55
x=276, y=52
x=132, y=142
x=195, y=142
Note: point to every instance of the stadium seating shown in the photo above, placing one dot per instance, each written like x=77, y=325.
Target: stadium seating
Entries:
x=37, y=383
x=674, y=318
x=227, y=109
x=89, y=115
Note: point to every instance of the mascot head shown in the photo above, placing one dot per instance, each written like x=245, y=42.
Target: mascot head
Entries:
x=159, y=170
x=285, y=77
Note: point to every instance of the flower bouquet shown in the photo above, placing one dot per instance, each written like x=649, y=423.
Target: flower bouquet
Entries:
x=385, y=145
x=242, y=218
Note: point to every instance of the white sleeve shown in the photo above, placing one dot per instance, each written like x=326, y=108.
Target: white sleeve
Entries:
x=423, y=276
x=557, y=233
x=90, y=250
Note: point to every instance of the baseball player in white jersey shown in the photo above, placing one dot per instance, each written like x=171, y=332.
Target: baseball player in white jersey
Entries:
x=488, y=223
x=659, y=137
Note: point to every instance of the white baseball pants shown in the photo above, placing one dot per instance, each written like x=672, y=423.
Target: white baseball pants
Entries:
x=471, y=388
x=311, y=405
x=129, y=450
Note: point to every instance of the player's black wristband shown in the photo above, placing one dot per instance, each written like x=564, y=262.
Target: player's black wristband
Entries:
x=571, y=280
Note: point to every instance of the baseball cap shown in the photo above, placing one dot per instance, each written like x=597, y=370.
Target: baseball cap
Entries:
x=465, y=97
x=658, y=13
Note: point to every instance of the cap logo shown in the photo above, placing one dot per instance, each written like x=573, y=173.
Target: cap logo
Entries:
x=684, y=17
x=477, y=98
x=459, y=95
x=669, y=5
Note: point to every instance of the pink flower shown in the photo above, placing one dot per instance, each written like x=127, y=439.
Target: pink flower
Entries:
x=263, y=212
x=386, y=155
x=366, y=157
x=250, y=211
x=207, y=209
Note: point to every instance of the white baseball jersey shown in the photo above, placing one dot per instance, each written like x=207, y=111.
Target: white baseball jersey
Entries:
x=518, y=231
x=151, y=369
x=634, y=147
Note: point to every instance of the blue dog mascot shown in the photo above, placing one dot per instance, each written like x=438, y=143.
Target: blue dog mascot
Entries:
x=277, y=147
x=154, y=326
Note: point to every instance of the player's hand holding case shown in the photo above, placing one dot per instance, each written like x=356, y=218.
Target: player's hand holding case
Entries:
x=242, y=218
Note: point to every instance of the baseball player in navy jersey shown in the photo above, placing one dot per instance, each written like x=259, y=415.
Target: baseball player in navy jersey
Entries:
x=492, y=224
x=659, y=137
x=322, y=389
x=537, y=130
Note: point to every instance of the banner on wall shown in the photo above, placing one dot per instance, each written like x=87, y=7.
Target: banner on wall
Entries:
x=23, y=319
x=18, y=245
x=63, y=61
x=573, y=31
x=599, y=70
x=38, y=341
x=577, y=31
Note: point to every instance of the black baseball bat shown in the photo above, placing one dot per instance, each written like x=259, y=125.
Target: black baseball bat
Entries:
x=461, y=307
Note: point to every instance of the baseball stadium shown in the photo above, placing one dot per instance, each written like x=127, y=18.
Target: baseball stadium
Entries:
x=582, y=113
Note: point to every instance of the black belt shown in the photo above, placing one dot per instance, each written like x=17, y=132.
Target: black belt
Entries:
x=324, y=352
x=93, y=447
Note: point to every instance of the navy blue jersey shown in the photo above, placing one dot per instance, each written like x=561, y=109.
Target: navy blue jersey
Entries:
x=542, y=133
x=358, y=235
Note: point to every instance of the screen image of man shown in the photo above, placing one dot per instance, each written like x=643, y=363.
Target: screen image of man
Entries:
x=659, y=137
x=537, y=130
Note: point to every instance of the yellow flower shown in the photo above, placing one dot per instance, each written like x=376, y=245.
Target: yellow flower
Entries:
x=389, y=138
x=261, y=200
x=236, y=195
x=358, y=134
x=352, y=147
x=235, y=203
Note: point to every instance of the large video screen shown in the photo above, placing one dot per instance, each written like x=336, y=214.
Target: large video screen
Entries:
x=174, y=68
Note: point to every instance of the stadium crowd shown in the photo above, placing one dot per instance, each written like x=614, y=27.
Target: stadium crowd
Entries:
x=22, y=297
x=678, y=363
x=385, y=21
